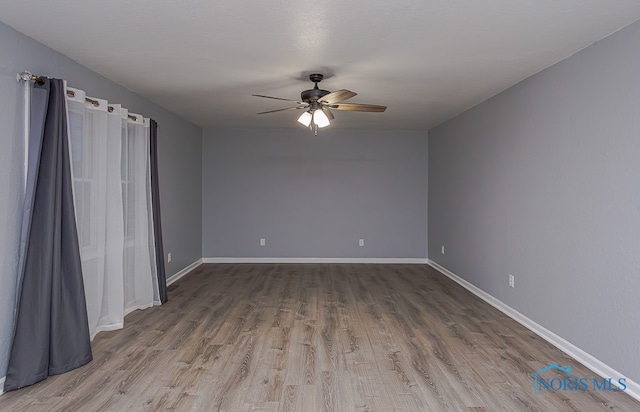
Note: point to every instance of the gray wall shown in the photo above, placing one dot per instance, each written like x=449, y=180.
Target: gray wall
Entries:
x=543, y=182
x=179, y=155
x=314, y=196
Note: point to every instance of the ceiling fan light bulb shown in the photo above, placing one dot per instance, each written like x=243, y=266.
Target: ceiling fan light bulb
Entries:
x=320, y=119
x=305, y=119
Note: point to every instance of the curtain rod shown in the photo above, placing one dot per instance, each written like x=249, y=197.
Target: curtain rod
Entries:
x=28, y=76
x=96, y=103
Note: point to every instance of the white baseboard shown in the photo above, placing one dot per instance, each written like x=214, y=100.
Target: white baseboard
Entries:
x=2, y=384
x=597, y=366
x=409, y=261
x=184, y=271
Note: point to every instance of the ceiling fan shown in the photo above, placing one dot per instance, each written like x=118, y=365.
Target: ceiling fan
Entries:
x=318, y=104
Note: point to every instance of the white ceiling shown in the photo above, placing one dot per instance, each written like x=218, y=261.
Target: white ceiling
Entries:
x=427, y=60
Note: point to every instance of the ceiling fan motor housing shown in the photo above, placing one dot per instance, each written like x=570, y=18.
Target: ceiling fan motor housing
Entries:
x=313, y=95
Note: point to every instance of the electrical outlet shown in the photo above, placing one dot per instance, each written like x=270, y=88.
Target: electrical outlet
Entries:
x=169, y=257
x=263, y=242
x=512, y=281
x=442, y=250
x=361, y=242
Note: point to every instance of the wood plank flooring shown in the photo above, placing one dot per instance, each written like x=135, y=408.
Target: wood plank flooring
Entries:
x=317, y=337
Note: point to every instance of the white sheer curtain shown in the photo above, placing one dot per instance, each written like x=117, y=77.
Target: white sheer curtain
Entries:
x=141, y=290
x=110, y=157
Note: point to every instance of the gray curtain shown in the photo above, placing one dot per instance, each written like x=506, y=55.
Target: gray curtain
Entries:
x=51, y=334
x=155, y=206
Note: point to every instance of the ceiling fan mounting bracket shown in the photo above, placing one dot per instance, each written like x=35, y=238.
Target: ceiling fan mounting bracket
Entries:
x=316, y=77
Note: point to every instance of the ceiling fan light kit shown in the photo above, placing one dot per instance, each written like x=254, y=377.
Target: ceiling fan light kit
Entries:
x=320, y=119
x=305, y=118
x=318, y=104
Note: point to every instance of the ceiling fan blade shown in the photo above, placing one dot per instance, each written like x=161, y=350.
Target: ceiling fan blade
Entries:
x=277, y=98
x=358, y=107
x=328, y=113
x=282, y=110
x=338, y=96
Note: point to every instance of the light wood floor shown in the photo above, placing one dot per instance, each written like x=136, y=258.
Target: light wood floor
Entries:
x=315, y=338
